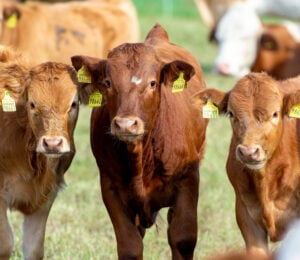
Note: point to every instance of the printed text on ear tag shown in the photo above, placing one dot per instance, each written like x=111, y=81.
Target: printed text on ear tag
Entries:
x=295, y=111
x=8, y=103
x=210, y=110
x=179, y=84
x=84, y=75
x=95, y=99
x=12, y=21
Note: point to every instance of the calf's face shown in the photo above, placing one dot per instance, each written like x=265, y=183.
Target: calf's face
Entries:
x=52, y=104
x=256, y=107
x=130, y=81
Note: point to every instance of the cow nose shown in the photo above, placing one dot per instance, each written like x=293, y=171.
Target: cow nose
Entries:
x=245, y=152
x=126, y=124
x=52, y=143
x=223, y=69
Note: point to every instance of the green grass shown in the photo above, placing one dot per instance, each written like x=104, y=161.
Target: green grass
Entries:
x=79, y=226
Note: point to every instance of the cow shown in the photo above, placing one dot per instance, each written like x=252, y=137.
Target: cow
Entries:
x=145, y=141
x=239, y=29
x=39, y=109
x=279, y=51
x=263, y=163
x=58, y=31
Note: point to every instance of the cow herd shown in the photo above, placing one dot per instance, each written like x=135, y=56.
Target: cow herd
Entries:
x=148, y=128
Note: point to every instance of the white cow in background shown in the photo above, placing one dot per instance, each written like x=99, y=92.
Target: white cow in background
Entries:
x=238, y=30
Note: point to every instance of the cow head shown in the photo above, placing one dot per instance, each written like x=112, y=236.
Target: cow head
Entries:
x=130, y=81
x=46, y=101
x=278, y=46
x=52, y=103
x=237, y=34
x=256, y=107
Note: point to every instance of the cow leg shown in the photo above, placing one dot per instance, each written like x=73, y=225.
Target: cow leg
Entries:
x=6, y=236
x=255, y=236
x=182, y=219
x=128, y=236
x=34, y=227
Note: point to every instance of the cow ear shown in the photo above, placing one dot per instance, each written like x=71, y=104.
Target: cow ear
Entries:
x=217, y=97
x=171, y=71
x=291, y=104
x=94, y=72
x=11, y=12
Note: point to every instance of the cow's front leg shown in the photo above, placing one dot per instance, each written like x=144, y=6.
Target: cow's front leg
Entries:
x=128, y=236
x=34, y=227
x=254, y=235
x=6, y=236
x=182, y=219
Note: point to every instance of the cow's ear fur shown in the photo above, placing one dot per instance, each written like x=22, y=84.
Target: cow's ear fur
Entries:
x=96, y=68
x=290, y=100
x=217, y=97
x=9, y=10
x=170, y=71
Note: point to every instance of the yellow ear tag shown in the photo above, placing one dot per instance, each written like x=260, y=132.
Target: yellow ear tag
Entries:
x=12, y=21
x=8, y=103
x=295, y=111
x=95, y=99
x=84, y=75
x=210, y=110
x=179, y=84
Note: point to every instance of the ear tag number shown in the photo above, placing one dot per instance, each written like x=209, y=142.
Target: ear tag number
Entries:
x=84, y=75
x=12, y=21
x=95, y=99
x=210, y=110
x=179, y=84
x=8, y=103
x=295, y=111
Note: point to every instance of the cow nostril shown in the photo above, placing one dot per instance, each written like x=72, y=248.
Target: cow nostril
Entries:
x=45, y=144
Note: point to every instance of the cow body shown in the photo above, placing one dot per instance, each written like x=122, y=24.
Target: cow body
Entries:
x=36, y=147
x=278, y=51
x=57, y=31
x=263, y=164
x=144, y=141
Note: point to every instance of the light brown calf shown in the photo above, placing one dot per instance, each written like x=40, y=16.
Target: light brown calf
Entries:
x=36, y=145
x=263, y=164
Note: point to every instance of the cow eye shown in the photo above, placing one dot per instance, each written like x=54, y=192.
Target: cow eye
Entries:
x=229, y=114
x=106, y=83
x=275, y=114
x=32, y=105
x=152, y=84
x=74, y=104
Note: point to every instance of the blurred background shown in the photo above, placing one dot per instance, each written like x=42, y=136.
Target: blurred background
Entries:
x=79, y=227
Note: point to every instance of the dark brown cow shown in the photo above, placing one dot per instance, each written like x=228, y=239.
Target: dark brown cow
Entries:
x=36, y=146
x=278, y=52
x=263, y=164
x=145, y=141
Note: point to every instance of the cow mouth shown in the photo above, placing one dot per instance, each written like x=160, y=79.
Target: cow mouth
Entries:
x=53, y=155
x=130, y=138
x=257, y=165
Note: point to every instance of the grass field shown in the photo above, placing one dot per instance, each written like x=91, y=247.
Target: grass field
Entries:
x=79, y=227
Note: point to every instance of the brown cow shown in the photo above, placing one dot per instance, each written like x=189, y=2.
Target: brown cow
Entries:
x=278, y=51
x=57, y=31
x=263, y=164
x=145, y=140
x=36, y=146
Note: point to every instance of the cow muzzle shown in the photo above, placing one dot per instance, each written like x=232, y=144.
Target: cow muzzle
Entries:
x=252, y=157
x=128, y=129
x=53, y=146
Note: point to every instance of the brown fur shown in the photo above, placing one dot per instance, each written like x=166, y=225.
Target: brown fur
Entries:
x=278, y=53
x=57, y=31
x=267, y=198
x=154, y=162
x=31, y=178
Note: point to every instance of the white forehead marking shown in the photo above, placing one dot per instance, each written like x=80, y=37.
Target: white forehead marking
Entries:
x=136, y=80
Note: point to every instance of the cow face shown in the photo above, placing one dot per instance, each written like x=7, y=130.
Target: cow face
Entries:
x=237, y=34
x=256, y=107
x=52, y=105
x=130, y=81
